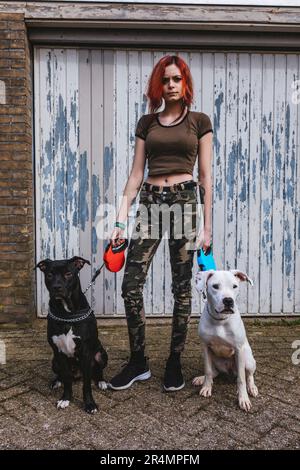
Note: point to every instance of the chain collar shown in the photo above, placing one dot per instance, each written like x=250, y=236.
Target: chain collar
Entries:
x=71, y=318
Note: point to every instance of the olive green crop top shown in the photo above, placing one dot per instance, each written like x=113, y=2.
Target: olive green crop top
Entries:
x=172, y=149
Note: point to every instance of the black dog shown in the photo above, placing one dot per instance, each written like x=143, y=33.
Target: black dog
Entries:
x=72, y=331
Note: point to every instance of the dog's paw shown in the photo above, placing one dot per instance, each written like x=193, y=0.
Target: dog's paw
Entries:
x=244, y=402
x=206, y=391
x=91, y=408
x=102, y=385
x=252, y=390
x=61, y=404
x=55, y=384
x=198, y=381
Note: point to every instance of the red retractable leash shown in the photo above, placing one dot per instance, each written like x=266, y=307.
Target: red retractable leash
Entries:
x=114, y=258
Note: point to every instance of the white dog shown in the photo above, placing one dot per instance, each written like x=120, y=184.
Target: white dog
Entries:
x=226, y=348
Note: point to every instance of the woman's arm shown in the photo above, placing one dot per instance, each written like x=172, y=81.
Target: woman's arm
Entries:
x=132, y=186
x=205, y=178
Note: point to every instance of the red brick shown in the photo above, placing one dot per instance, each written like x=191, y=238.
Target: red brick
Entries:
x=16, y=198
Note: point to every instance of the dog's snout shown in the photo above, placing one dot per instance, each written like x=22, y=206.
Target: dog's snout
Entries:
x=57, y=286
x=57, y=289
x=228, y=302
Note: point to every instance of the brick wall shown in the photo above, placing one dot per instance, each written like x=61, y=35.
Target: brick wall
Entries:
x=16, y=174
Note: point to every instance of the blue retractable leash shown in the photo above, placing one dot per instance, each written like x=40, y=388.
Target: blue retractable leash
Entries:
x=205, y=259
x=205, y=262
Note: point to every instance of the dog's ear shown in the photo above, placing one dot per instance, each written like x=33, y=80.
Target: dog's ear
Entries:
x=241, y=276
x=43, y=264
x=79, y=262
x=202, y=279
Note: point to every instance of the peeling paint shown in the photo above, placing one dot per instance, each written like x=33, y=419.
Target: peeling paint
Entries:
x=95, y=196
x=239, y=249
x=265, y=161
x=47, y=168
x=278, y=162
x=231, y=177
x=83, y=190
x=59, y=205
x=218, y=103
x=144, y=104
x=71, y=179
x=73, y=110
x=267, y=124
x=216, y=143
x=245, y=112
x=219, y=189
x=267, y=230
x=60, y=125
x=108, y=167
x=47, y=209
x=94, y=241
x=243, y=166
x=48, y=78
x=254, y=181
x=95, y=204
x=287, y=249
x=290, y=159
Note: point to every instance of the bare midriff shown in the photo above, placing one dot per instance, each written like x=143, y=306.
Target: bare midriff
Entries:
x=168, y=180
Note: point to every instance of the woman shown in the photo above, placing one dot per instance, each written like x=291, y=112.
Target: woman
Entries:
x=171, y=140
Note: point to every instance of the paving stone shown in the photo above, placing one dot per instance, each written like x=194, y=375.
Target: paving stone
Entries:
x=143, y=417
x=13, y=391
x=291, y=424
x=277, y=439
x=14, y=435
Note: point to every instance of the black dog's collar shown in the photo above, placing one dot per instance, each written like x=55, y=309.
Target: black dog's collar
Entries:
x=71, y=318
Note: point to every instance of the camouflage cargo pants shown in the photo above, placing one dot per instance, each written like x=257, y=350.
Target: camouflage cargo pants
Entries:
x=173, y=214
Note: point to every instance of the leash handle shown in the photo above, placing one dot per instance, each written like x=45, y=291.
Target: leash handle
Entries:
x=123, y=245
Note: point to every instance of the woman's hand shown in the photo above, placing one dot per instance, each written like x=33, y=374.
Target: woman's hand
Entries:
x=204, y=239
x=116, y=233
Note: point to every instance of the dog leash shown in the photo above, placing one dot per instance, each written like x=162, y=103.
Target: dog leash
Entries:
x=94, y=278
x=113, y=259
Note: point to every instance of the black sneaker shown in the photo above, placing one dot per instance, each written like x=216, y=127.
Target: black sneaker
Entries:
x=173, y=379
x=134, y=370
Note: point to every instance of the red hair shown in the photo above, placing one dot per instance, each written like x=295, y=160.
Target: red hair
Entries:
x=155, y=86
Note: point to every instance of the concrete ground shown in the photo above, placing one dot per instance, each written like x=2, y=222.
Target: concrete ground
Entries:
x=143, y=417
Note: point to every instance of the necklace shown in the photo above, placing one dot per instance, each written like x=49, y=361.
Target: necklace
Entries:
x=182, y=112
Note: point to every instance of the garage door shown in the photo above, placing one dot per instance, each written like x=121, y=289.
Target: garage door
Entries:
x=87, y=103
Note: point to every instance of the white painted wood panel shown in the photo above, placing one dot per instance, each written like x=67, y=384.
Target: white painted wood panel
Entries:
x=254, y=168
x=121, y=149
x=231, y=168
x=278, y=186
x=87, y=104
x=85, y=164
x=242, y=221
x=290, y=186
x=97, y=105
x=267, y=181
x=296, y=102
